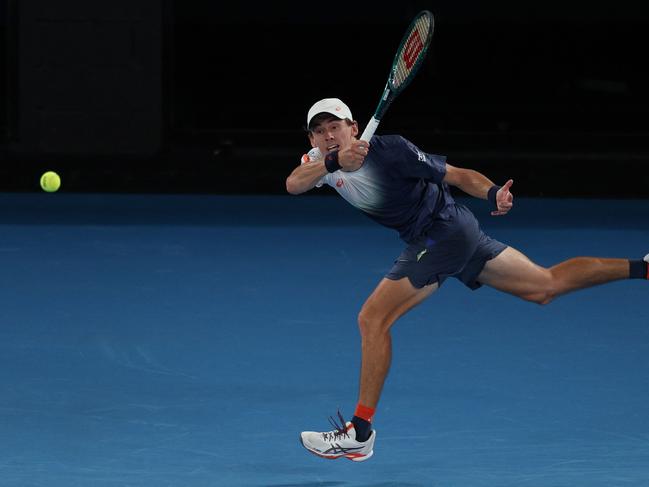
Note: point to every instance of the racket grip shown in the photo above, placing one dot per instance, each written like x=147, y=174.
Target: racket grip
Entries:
x=370, y=129
x=312, y=155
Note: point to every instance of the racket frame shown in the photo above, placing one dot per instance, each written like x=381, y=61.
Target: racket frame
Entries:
x=391, y=91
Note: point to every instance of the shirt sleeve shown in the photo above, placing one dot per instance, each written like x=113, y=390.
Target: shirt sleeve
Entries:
x=412, y=162
x=325, y=179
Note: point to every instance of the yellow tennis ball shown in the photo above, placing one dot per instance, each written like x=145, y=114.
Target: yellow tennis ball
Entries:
x=50, y=182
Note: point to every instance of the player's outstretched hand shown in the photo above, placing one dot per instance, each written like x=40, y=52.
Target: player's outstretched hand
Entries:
x=351, y=158
x=504, y=199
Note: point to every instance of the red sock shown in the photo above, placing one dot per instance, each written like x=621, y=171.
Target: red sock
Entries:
x=364, y=412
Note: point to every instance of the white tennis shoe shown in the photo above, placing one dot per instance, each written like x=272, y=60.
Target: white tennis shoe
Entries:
x=340, y=442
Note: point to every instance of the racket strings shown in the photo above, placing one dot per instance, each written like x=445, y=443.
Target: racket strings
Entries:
x=412, y=51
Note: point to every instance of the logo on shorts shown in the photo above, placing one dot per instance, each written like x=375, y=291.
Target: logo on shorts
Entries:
x=421, y=156
x=421, y=254
x=339, y=183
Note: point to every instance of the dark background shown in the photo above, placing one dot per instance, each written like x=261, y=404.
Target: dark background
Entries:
x=210, y=97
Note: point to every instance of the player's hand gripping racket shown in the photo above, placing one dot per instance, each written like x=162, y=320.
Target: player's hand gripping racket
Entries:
x=409, y=58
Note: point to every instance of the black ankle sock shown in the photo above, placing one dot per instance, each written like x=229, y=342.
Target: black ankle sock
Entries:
x=363, y=428
x=638, y=269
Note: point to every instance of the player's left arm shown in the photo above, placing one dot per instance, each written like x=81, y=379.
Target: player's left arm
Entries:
x=478, y=185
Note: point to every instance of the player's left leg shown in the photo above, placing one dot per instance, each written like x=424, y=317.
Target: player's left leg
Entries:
x=514, y=273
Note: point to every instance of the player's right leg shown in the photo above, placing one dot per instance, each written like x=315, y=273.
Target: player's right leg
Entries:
x=390, y=300
x=419, y=270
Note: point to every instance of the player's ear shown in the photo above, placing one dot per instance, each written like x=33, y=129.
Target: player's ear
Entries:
x=354, y=128
x=310, y=134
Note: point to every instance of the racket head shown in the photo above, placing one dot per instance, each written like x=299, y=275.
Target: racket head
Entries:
x=412, y=51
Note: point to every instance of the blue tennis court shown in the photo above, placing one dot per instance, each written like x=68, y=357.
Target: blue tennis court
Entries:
x=185, y=341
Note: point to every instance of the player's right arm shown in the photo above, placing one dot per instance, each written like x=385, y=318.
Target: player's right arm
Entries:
x=306, y=176
x=312, y=169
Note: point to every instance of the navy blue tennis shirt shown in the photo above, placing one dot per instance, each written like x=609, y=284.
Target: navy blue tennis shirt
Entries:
x=398, y=186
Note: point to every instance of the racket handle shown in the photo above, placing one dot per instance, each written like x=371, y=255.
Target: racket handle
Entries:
x=370, y=129
x=312, y=155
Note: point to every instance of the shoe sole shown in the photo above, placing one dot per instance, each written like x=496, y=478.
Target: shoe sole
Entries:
x=354, y=457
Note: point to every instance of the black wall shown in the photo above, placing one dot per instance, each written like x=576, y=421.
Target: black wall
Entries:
x=211, y=97
x=89, y=77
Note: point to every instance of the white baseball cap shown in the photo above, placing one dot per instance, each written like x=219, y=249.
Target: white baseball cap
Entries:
x=329, y=105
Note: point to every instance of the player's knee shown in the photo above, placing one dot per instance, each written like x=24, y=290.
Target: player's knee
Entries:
x=541, y=298
x=546, y=289
x=369, y=324
x=364, y=323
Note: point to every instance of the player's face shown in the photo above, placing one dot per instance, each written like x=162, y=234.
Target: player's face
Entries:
x=333, y=134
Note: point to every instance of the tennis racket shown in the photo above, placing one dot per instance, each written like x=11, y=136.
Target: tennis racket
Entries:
x=408, y=60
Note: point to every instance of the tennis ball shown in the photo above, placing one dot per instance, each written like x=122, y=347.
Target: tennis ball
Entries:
x=50, y=182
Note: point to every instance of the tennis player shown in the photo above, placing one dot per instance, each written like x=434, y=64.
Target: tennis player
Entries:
x=406, y=189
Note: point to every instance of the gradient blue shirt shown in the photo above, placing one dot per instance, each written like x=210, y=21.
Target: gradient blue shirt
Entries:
x=398, y=186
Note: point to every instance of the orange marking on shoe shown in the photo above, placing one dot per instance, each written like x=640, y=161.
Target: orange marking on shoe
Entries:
x=354, y=455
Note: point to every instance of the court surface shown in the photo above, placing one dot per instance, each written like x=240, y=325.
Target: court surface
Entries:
x=174, y=340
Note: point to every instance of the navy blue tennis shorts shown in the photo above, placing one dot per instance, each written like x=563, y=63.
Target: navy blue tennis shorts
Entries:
x=453, y=247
